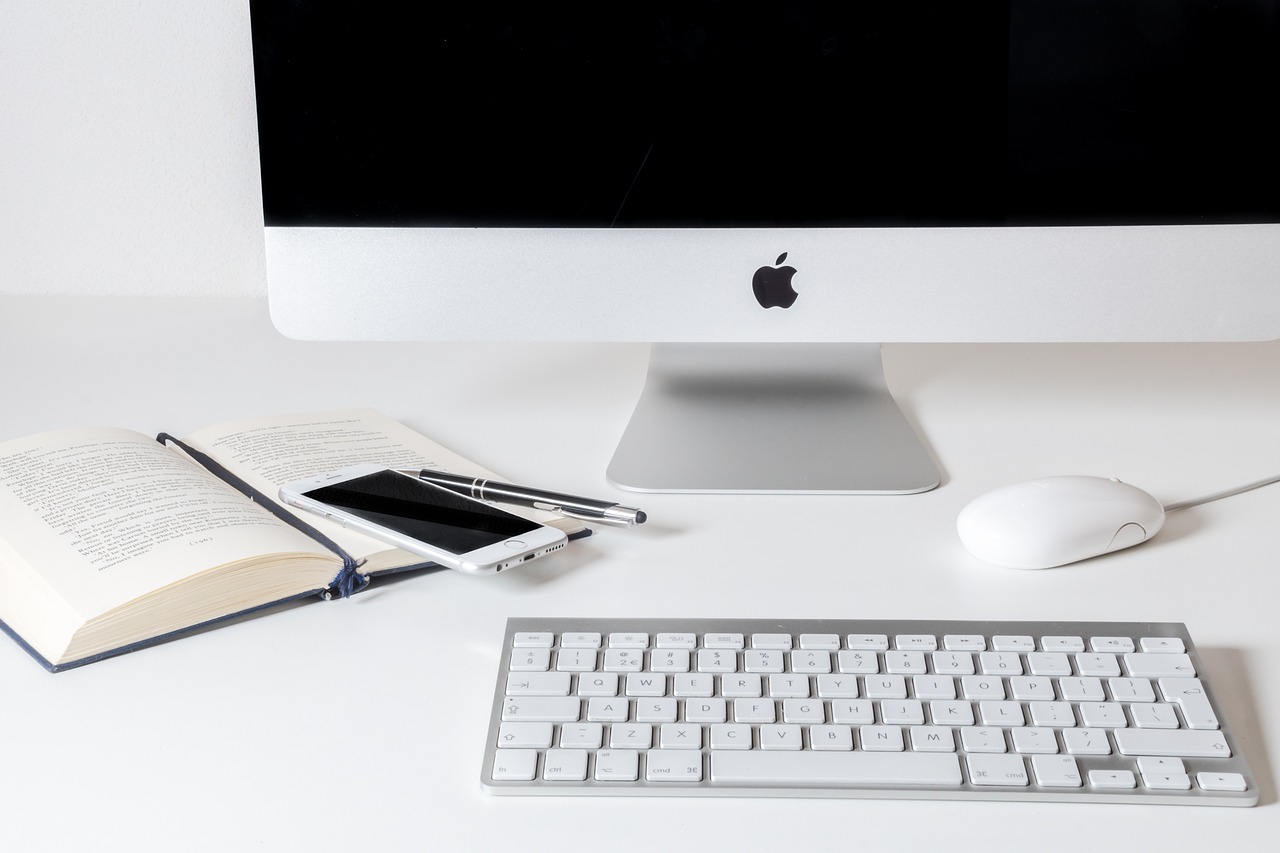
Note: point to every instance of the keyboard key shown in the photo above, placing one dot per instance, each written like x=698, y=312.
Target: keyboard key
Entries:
x=807, y=769
x=982, y=739
x=680, y=736
x=953, y=663
x=1173, y=742
x=1013, y=643
x=631, y=736
x=617, y=765
x=543, y=709
x=576, y=660
x=742, y=686
x=1048, y=663
x=598, y=684
x=1056, y=771
x=709, y=710
x=538, y=684
x=1034, y=740
x=1118, y=779
x=673, y=765
x=1054, y=714
x=605, y=710
x=515, y=765
x=1153, y=715
x=1189, y=694
x=831, y=737
x=1000, y=663
x=1153, y=665
x=868, y=642
x=530, y=660
x=589, y=640
x=997, y=770
x=933, y=739
x=781, y=736
x=581, y=736
x=731, y=736
x=1151, y=765
x=754, y=711
x=1167, y=781
x=934, y=687
x=565, y=765
x=623, y=660
x=1131, y=689
x=904, y=662
x=964, y=643
x=628, y=640
x=1221, y=781
x=815, y=661
x=534, y=640
x=1084, y=689
x=1083, y=741
x=723, y=641
x=677, y=641
x=524, y=735
x=853, y=661
x=1159, y=645
x=1115, y=645
x=837, y=687
x=670, y=660
x=716, y=660
x=1099, y=664
x=757, y=660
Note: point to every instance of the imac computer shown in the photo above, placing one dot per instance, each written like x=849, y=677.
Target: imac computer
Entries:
x=766, y=192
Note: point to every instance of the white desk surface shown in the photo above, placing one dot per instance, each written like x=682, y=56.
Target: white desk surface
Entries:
x=359, y=724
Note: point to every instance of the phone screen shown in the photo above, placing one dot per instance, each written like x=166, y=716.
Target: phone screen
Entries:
x=424, y=512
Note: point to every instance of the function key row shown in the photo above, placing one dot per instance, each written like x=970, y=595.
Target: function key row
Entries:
x=851, y=642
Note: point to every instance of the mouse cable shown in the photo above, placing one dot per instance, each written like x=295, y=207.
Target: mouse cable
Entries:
x=1174, y=507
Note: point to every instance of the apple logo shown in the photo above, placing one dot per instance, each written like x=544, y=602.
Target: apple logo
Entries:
x=772, y=285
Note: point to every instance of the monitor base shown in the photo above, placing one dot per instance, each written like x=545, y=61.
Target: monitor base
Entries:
x=769, y=418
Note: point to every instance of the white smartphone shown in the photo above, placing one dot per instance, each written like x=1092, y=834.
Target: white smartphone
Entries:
x=446, y=527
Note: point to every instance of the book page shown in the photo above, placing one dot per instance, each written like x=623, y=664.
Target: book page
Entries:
x=103, y=516
x=269, y=452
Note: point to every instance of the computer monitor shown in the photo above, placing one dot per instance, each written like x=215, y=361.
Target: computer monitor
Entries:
x=767, y=192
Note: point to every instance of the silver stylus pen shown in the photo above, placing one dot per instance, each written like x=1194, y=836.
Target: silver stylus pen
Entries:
x=587, y=509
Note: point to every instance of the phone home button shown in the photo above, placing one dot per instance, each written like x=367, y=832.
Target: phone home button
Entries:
x=514, y=543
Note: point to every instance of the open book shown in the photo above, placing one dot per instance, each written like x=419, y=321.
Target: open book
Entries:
x=111, y=539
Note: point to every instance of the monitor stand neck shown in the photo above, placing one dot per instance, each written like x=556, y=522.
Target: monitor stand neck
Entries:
x=769, y=418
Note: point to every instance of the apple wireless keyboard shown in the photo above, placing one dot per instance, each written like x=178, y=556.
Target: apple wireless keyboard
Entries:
x=1063, y=711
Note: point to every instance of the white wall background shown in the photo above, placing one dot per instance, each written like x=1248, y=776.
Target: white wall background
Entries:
x=128, y=148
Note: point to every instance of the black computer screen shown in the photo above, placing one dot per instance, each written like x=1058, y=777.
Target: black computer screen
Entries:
x=801, y=114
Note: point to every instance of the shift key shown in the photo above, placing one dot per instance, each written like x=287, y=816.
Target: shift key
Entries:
x=1189, y=743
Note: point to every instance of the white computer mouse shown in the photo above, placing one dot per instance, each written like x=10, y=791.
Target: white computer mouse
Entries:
x=1058, y=520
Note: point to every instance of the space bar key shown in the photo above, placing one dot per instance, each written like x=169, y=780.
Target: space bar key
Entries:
x=833, y=769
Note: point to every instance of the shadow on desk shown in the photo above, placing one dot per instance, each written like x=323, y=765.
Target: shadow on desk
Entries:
x=1228, y=673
